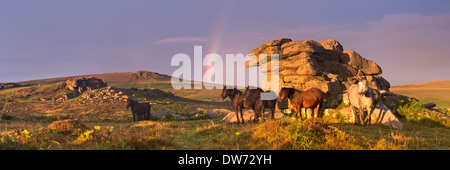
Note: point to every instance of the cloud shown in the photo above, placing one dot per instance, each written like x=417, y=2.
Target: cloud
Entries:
x=408, y=47
x=316, y=29
x=407, y=33
x=179, y=39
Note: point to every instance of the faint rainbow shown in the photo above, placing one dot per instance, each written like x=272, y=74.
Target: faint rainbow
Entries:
x=218, y=34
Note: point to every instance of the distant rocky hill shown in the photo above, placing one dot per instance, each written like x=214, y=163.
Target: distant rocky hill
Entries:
x=9, y=85
x=110, y=78
x=324, y=65
x=87, y=97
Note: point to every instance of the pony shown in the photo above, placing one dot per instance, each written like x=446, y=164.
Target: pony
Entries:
x=361, y=96
x=139, y=109
x=311, y=98
x=252, y=100
x=253, y=97
x=237, y=99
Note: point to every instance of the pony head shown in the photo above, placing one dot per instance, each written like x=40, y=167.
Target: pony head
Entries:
x=363, y=85
x=226, y=92
x=284, y=92
x=130, y=103
x=253, y=92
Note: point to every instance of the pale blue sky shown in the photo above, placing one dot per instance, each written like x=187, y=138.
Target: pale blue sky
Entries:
x=53, y=38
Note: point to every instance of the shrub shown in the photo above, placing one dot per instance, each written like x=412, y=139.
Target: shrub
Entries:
x=287, y=134
x=315, y=134
x=68, y=126
x=7, y=117
x=411, y=111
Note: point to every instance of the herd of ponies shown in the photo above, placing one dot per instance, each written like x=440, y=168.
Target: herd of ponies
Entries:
x=360, y=97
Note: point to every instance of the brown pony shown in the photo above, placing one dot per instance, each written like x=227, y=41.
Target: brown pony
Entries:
x=237, y=99
x=253, y=97
x=311, y=98
x=139, y=109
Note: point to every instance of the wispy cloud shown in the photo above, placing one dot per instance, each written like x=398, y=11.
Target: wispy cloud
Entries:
x=409, y=47
x=315, y=28
x=179, y=39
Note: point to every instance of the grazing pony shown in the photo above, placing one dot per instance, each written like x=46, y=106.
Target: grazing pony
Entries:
x=253, y=97
x=237, y=99
x=360, y=96
x=252, y=100
x=311, y=98
x=139, y=109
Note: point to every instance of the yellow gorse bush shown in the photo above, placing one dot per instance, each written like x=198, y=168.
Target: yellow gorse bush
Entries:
x=84, y=137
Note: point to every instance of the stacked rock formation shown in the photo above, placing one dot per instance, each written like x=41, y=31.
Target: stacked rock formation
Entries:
x=82, y=84
x=9, y=85
x=324, y=65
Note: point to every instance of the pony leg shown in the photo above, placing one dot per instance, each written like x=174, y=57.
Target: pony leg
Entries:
x=299, y=113
x=312, y=112
x=294, y=113
x=355, y=114
x=261, y=112
x=273, y=113
x=242, y=115
x=318, y=110
x=255, y=119
x=306, y=113
x=134, y=120
x=237, y=115
x=361, y=116
x=369, y=115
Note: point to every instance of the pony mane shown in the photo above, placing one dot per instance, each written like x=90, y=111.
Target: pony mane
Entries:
x=235, y=91
x=291, y=92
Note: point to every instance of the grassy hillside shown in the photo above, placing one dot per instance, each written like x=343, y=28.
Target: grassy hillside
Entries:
x=48, y=100
x=434, y=91
x=141, y=80
x=213, y=134
x=40, y=117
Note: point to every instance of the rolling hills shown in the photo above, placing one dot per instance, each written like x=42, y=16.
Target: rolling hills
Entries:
x=140, y=80
x=434, y=91
x=48, y=99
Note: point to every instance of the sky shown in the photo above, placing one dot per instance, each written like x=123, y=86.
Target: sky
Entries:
x=40, y=39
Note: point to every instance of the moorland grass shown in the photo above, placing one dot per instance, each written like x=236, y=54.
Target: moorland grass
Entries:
x=28, y=113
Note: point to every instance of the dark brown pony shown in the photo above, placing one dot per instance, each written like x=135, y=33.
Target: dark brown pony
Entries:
x=237, y=99
x=139, y=109
x=253, y=97
x=311, y=98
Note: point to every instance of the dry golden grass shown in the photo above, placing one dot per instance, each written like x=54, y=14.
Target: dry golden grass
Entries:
x=67, y=126
x=28, y=122
x=435, y=91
